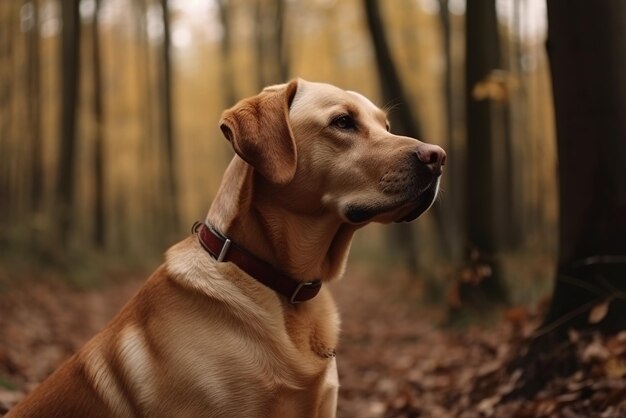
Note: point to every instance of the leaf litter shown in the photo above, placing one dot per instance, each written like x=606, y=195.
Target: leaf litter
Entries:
x=394, y=360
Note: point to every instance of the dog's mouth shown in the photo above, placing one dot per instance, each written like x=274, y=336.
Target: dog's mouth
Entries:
x=409, y=206
x=424, y=201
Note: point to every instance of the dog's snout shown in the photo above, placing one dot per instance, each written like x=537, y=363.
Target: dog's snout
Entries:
x=432, y=156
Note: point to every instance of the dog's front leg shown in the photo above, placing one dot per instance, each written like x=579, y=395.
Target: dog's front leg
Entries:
x=330, y=391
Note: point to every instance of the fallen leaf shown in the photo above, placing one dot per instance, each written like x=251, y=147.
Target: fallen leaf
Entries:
x=486, y=406
x=598, y=312
x=516, y=316
x=573, y=335
x=568, y=397
x=595, y=351
x=615, y=367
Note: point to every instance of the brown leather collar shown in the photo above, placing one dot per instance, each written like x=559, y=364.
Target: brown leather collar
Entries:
x=223, y=249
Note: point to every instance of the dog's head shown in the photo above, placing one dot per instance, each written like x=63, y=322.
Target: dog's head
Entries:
x=321, y=149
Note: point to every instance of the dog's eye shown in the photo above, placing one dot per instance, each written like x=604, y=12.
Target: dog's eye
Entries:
x=345, y=122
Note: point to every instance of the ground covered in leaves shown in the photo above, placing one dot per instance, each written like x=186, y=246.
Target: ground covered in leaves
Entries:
x=394, y=359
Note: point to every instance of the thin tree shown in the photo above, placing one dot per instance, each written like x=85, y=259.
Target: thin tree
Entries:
x=260, y=44
x=402, y=118
x=281, y=48
x=168, y=122
x=70, y=58
x=452, y=210
x=588, y=69
x=34, y=107
x=519, y=132
x=271, y=50
x=225, y=8
x=482, y=57
x=99, y=204
x=9, y=12
x=150, y=142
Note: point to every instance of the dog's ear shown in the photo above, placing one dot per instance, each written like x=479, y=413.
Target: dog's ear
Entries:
x=259, y=130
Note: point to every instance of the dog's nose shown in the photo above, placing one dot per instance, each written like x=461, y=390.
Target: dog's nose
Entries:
x=432, y=156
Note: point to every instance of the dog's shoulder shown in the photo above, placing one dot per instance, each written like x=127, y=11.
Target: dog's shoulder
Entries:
x=188, y=265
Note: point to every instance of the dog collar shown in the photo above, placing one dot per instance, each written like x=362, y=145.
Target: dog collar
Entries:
x=224, y=250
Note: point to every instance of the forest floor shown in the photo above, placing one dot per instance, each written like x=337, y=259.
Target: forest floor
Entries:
x=394, y=360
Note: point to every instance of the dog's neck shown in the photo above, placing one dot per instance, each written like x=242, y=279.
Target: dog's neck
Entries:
x=303, y=246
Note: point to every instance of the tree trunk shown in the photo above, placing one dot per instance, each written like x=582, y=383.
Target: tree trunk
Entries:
x=34, y=110
x=9, y=104
x=588, y=64
x=99, y=148
x=226, y=46
x=259, y=46
x=452, y=183
x=281, y=47
x=70, y=60
x=403, y=122
x=391, y=87
x=588, y=68
x=150, y=142
x=482, y=57
x=168, y=125
x=520, y=133
x=10, y=23
x=271, y=53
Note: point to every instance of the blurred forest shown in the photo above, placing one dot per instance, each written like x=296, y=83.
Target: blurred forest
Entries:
x=110, y=149
x=109, y=109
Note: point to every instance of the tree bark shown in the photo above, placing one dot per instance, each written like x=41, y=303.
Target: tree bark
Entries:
x=99, y=146
x=452, y=209
x=70, y=82
x=34, y=110
x=10, y=22
x=168, y=123
x=588, y=69
x=259, y=46
x=588, y=66
x=482, y=57
x=225, y=8
x=391, y=87
x=281, y=46
x=271, y=52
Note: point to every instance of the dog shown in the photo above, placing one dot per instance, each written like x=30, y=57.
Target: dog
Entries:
x=238, y=321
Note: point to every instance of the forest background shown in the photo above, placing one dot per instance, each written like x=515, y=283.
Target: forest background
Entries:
x=110, y=146
x=110, y=150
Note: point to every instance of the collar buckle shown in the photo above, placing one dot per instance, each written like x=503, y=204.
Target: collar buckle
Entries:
x=224, y=250
x=304, y=285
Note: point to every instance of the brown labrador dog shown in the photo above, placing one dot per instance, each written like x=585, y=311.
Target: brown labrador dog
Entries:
x=236, y=322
